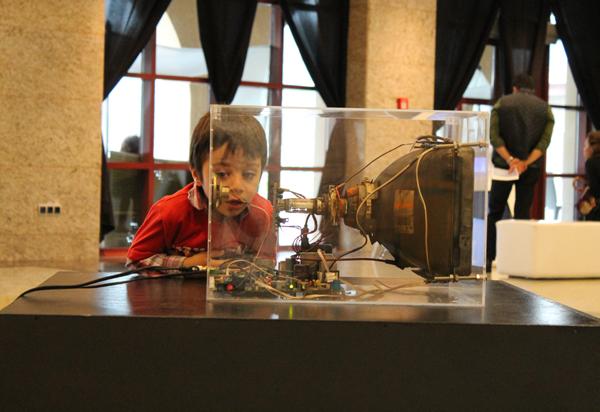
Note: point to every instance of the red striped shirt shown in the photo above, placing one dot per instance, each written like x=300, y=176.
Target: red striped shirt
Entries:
x=177, y=227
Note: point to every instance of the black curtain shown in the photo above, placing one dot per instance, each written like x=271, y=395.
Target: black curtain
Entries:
x=334, y=169
x=225, y=29
x=578, y=27
x=462, y=29
x=129, y=26
x=320, y=28
x=522, y=26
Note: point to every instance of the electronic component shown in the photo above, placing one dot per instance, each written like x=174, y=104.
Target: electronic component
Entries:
x=420, y=208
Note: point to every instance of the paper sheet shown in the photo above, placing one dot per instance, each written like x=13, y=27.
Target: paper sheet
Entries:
x=504, y=174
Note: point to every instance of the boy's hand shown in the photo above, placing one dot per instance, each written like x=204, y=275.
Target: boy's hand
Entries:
x=201, y=259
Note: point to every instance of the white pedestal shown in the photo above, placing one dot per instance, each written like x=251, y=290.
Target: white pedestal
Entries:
x=538, y=249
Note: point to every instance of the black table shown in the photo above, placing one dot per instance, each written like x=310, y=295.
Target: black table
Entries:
x=159, y=345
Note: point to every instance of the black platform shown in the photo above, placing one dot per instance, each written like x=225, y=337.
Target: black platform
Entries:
x=156, y=345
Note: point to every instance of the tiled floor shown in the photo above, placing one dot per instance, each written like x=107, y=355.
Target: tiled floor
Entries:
x=14, y=280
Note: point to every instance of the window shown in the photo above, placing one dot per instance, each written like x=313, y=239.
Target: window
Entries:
x=570, y=122
x=148, y=118
x=563, y=157
x=481, y=85
x=479, y=93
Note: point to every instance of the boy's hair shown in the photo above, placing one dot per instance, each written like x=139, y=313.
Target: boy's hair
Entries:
x=524, y=82
x=238, y=132
x=594, y=142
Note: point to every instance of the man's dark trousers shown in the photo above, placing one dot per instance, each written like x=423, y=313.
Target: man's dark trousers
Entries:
x=498, y=197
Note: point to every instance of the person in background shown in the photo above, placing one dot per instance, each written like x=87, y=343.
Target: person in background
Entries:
x=589, y=202
x=131, y=144
x=123, y=187
x=175, y=231
x=520, y=131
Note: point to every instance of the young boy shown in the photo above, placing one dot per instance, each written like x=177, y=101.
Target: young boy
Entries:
x=175, y=231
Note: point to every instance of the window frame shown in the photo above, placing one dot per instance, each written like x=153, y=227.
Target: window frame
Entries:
x=149, y=76
x=584, y=126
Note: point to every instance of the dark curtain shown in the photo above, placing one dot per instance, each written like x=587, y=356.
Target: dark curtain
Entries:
x=579, y=29
x=462, y=29
x=522, y=27
x=107, y=217
x=225, y=29
x=334, y=170
x=320, y=28
x=129, y=26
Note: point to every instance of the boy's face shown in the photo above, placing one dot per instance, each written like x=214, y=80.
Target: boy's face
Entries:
x=237, y=171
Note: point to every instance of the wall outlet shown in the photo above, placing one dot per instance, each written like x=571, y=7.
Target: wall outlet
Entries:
x=49, y=209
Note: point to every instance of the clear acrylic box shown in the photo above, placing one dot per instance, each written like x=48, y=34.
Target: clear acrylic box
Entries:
x=354, y=206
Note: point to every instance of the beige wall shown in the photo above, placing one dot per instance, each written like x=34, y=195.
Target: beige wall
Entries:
x=184, y=16
x=391, y=51
x=391, y=54
x=51, y=76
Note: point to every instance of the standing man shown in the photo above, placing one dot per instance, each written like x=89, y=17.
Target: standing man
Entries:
x=520, y=131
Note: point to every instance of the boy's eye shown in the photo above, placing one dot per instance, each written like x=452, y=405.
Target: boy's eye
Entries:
x=222, y=175
x=249, y=175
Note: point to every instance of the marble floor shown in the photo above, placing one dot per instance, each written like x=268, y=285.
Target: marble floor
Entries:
x=14, y=280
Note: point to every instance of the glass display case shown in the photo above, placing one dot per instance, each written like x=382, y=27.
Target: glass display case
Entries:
x=347, y=206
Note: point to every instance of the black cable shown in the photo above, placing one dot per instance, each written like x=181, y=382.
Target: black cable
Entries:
x=314, y=244
x=371, y=162
x=315, y=223
x=130, y=272
x=139, y=278
x=117, y=275
x=298, y=195
x=296, y=243
x=388, y=261
x=87, y=284
x=333, y=262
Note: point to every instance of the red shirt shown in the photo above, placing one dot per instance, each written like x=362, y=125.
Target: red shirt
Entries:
x=177, y=227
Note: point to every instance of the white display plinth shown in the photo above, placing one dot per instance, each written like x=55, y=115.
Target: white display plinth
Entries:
x=539, y=249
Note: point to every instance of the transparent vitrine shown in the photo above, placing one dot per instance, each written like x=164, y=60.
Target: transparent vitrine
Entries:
x=347, y=206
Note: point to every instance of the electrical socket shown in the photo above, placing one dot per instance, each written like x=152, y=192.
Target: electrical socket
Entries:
x=49, y=209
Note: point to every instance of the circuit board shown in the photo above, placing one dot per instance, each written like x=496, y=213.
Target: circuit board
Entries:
x=300, y=277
